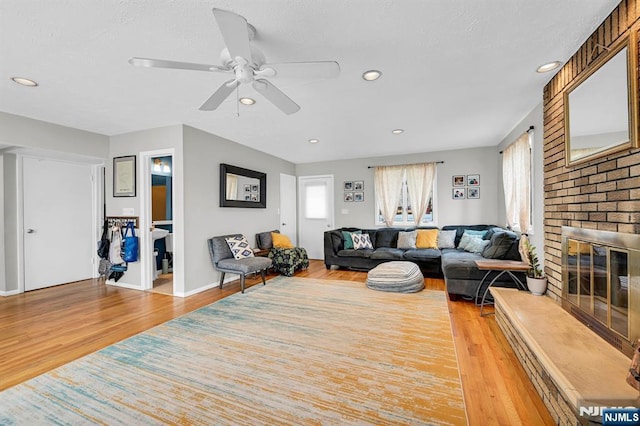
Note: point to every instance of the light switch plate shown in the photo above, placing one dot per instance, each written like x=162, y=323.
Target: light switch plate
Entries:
x=128, y=212
x=344, y=211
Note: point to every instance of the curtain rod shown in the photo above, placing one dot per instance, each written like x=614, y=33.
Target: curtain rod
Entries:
x=383, y=165
x=528, y=130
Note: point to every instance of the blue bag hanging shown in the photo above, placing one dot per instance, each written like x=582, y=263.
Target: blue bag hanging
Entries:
x=129, y=244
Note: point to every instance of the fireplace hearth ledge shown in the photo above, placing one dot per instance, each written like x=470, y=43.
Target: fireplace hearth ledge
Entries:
x=569, y=365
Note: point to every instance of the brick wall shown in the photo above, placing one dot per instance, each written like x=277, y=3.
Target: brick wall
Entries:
x=599, y=194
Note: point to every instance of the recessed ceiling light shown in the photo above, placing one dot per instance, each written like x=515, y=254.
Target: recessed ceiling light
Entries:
x=549, y=66
x=371, y=75
x=247, y=101
x=313, y=141
x=397, y=131
x=24, y=81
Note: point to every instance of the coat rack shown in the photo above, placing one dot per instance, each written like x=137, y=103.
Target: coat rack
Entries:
x=122, y=221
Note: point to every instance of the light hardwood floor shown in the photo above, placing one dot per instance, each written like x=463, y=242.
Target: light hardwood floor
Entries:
x=43, y=329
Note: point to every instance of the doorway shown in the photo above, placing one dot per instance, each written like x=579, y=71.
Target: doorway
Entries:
x=315, y=212
x=59, y=221
x=162, y=223
x=288, y=220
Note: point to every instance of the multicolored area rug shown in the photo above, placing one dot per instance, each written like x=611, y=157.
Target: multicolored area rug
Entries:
x=296, y=351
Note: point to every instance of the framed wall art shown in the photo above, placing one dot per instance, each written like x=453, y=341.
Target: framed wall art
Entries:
x=458, y=193
x=124, y=176
x=473, y=180
x=358, y=196
x=348, y=185
x=358, y=185
x=348, y=196
x=473, y=192
x=458, y=180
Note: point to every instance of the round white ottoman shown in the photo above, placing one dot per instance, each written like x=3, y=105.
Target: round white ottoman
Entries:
x=396, y=276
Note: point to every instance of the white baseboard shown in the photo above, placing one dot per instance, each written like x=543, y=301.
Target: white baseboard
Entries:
x=9, y=293
x=123, y=285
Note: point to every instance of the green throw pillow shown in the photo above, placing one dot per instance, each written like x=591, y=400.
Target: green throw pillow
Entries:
x=348, y=241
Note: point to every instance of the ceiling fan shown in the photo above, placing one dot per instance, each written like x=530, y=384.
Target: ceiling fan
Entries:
x=247, y=64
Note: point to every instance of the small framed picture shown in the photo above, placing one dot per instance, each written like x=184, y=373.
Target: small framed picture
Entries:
x=473, y=192
x=358, y=196
x=247, y=188
x=473, y=180
x=254, y=197
x=348, y=196
x=458, y=180
x=254, y=188
x=358, y=185
x=458, y=193
x=247, y=197
x=348, y=186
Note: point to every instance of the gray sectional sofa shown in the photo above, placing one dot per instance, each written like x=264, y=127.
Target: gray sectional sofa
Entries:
x=456, y=265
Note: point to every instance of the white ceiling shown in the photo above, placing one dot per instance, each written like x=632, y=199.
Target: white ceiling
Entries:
x=456, y=74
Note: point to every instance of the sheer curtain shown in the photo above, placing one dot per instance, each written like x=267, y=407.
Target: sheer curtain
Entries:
x=516, y=176
x=420, y=179
x=388, y=185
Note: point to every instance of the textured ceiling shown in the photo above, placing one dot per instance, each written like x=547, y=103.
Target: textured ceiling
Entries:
x=456, y=74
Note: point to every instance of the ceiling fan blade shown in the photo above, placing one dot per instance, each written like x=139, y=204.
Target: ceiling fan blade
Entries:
x=323, y=69
x=235, y=32
x=220, y=95
x=275, y=96
x=161, y=63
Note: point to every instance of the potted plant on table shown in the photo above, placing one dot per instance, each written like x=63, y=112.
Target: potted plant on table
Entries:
x=536, y=281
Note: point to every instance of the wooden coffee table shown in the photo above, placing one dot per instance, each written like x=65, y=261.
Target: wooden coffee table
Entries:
x=501, y=267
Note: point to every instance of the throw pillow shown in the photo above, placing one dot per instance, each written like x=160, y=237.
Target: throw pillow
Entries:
x=447, y=239
x=407, y=240
x=361, y=241
x=466, y=240
x=281, y=241
x=499, y=244
x=427, y=238
x=348, y=241
x=477, y=245
x=481, y=234
x=239, y=247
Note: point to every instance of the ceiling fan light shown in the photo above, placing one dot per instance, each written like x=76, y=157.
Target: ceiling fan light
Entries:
x=313, y=141
x=247, y=101
x=397, y=131
x=550, y=66
x=24, y=81
x=371, y=75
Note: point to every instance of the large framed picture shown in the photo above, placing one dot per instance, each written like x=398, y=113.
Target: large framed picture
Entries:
x=124, y=176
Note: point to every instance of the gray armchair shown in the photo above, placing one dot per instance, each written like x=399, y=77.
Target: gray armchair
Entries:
x=223, y=261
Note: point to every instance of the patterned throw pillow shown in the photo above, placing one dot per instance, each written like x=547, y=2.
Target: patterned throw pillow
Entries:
x=361, y=241
x=348, y=241
x=407, y=240
x=447, y=239
x=239, y=246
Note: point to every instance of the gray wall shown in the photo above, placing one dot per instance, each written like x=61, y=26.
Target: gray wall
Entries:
x=534, y=118
x=482, y=161
x=26, y=132
x=133, y=144
x=204, y=218
x=37, y=136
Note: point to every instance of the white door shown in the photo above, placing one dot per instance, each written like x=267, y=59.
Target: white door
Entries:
x=315, y=212
x=57, y=222
x=288, y=221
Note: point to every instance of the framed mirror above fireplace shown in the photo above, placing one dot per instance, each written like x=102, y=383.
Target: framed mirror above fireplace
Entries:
x=600, y=106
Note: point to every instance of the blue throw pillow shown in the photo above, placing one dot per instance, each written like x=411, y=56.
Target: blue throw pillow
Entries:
x=348, y=241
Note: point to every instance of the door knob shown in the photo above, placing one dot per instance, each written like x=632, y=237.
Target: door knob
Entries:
x=284, y=224
x=30, y=231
